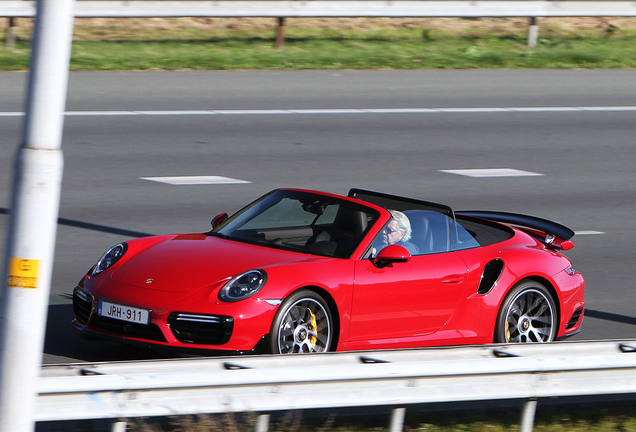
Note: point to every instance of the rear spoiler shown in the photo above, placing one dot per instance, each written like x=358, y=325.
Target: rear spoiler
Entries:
x=547, y=226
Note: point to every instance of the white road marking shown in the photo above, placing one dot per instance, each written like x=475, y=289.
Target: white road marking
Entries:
x=340, y=111
x=195, y=180
x=588, y=232
x=495, y=172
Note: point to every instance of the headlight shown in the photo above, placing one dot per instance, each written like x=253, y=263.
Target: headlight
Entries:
x=243, y=286
x=110, y=257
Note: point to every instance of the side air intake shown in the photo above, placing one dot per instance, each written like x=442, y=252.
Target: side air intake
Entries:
x=489, y=277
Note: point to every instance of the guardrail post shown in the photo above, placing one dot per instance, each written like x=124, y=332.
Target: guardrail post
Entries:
x=533, y=33
x=262, y=423
x=397, y=419
x=527, y=418
x=280, y=32
x=119, y=426
x=11, y=33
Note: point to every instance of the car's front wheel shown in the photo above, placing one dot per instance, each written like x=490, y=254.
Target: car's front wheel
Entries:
x=303, y=324
x=528, y=314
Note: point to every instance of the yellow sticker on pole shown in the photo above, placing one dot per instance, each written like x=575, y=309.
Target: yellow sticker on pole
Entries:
x=23, y=273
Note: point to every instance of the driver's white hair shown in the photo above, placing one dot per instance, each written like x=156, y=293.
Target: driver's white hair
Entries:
x=403, y=224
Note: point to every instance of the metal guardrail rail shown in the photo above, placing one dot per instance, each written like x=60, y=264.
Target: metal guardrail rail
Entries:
x=342, y=8
x=265, y=384
x=282, y=9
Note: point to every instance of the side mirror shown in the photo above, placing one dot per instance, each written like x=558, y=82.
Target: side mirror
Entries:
x=391, y=254
x=219, y=219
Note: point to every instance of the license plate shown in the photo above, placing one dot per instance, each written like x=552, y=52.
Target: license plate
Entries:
x=123, y=313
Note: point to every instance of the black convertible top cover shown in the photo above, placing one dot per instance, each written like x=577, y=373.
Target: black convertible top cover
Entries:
x=547, y=226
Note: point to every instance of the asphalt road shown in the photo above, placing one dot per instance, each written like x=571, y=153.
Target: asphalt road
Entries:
x=585, y=158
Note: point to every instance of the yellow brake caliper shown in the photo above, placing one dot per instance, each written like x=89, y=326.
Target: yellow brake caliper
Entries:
x=313, y=326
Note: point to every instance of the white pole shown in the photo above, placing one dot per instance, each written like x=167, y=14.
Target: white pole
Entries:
x=35, y=201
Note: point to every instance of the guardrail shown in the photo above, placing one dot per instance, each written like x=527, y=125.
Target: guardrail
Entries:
x=343, y=8
x=265, y=384
x=331, y=8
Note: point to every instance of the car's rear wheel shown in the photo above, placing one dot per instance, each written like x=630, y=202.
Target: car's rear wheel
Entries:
x=303, y=324
x=528, y=314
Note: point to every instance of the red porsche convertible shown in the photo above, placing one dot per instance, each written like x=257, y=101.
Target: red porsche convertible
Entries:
x=301, y=271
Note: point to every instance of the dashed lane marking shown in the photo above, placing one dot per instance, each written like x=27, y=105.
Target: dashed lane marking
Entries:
x=195, y=180
x=492, y=172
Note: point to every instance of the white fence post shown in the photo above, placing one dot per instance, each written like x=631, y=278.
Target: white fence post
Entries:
x=527, y=418
x=119, y=426
x=262, y=423
x=397, y=419
x=533, y=33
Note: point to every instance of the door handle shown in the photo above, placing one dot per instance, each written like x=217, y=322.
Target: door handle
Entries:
x=454, y=279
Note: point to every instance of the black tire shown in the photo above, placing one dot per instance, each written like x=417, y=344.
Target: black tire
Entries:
x=528, y=314
x=303, y=324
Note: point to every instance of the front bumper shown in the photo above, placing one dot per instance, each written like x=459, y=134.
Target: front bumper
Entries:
x=178, y=330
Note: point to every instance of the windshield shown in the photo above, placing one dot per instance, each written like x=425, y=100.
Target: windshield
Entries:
x=301, y=221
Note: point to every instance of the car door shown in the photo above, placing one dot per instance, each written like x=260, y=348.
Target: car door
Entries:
x=405, y=299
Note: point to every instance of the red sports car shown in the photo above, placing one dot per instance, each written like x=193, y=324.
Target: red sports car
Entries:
x=301, y=271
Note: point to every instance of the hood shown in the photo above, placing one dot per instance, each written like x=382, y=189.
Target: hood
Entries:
x=188, y=262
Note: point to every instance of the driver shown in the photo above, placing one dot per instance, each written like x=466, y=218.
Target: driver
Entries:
x=396, y=231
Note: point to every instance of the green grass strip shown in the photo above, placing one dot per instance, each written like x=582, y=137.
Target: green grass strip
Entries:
x=339, y=49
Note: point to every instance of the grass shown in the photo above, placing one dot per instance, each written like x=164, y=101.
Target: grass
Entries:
x=618, y=418
x=106, y=48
